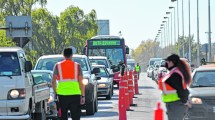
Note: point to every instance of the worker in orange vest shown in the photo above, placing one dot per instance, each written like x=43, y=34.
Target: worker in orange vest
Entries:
x=70, y=88
x=174, y=87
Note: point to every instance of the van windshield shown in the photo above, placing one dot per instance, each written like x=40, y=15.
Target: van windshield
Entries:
x=99, y=62
x=9, y=64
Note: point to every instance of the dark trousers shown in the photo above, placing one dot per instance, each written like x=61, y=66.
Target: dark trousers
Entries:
x=176, y=110
x=72, y=103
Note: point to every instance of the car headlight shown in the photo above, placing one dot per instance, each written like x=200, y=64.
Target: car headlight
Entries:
x=14, y=94
x=196, y=101
x=85, y=81
x=51, y=99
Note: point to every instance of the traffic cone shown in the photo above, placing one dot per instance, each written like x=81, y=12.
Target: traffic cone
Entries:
x=136, y=82
x=131, y=89
x=127, y=100
x=121, y=103
x=158, y=112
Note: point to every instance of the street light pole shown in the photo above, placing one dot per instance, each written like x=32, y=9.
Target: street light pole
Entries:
x=168, y=39
x=174, y=27
x=190, y=57
x=178, y=28
x=183, y=28
x=209, y=31
x=198, y=50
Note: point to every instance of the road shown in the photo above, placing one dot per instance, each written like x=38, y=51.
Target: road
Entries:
x=146, y=103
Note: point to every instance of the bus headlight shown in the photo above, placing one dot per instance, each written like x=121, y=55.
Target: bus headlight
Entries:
x=85, y=81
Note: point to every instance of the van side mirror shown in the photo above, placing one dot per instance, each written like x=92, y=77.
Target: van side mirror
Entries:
x=127, y=50
x=28, y=66
x=95, y=71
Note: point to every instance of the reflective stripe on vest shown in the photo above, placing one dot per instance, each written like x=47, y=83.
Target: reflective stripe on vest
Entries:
x=169, y=94
x=68, y=78
x=137, y=68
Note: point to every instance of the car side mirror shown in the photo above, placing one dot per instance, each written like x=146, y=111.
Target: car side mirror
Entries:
x=112, y=66
x=28, y=66
x=98, y=78
x=111, y=75
x=95, y=71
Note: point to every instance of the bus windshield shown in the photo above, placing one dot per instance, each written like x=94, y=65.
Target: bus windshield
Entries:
x=115, y=55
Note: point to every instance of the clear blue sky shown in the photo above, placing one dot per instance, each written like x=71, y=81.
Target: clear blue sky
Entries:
x=139, y=19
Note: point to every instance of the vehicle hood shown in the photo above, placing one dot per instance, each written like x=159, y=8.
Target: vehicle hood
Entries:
x=202, y=91
x=104, y=80
x=86, y=74
x=8, y=83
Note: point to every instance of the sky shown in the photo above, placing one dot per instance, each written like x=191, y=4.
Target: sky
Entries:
x=140, y=20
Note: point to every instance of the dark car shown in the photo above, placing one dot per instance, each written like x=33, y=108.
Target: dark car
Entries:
x=202, y=94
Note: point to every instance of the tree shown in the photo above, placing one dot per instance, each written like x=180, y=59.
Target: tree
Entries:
x=77, y=27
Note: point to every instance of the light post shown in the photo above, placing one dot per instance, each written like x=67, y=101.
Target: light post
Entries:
x=174, y=27
x=182, y=27
x=168, y=38
x=209, y=31
x=190, y=57
x=170, y=44
x=198, y=51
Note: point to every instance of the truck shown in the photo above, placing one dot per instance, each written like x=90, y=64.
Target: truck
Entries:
x=20, y=97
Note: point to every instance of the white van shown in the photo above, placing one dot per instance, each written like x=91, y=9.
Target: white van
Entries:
x=20, y=98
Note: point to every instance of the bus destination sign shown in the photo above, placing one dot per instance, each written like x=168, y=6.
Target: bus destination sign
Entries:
x=106, y=43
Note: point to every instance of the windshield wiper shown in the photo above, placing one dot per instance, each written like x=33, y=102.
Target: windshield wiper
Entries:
x=7, y=76
x=201, y=86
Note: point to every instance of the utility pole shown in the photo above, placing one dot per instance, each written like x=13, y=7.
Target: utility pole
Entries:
x=198, y=51
x=190, y=54
x=209, y=31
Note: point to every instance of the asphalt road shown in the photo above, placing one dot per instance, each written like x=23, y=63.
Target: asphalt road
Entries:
x=146, y=103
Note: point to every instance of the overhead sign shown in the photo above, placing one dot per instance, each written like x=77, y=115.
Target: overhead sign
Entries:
x=18, y=26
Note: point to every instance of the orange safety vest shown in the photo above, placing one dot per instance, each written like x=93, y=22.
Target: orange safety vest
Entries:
x=169, y=94
x=68, y=78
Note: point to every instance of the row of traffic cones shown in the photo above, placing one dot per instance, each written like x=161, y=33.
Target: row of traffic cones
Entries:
x=126, y=95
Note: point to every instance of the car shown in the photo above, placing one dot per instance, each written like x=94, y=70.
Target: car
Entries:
x=202, y=95
x=149, y=71
x=159, y=70
x=105, y=84
x=131, y=63
x=43, y=76
x=47, y=62
x=101, y=60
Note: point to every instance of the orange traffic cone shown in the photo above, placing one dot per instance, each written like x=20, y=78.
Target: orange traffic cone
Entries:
x=158, y=112
x=136, y=82
x=122, y=105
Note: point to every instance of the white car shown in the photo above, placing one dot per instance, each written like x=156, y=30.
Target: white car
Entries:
x=105, y=84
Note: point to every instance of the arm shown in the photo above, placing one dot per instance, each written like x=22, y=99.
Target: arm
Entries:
x=80, y=80
x=54, y=79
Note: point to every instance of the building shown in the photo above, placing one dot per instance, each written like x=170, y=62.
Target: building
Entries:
x=103, y=27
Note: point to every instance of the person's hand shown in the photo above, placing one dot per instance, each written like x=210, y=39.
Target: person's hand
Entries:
x=82, y=101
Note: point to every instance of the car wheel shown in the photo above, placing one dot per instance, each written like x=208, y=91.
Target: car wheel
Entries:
x=90, y=108
x=40, y=116
x=112, y=91
x=96, y=105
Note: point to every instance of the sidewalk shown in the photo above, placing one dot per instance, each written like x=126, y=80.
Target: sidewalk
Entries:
x=147, y=101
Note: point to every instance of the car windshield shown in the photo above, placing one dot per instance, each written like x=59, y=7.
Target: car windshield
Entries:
x=9, y=64
x=99, y=62
x=204, y=78
x=115, y=55
x=132, y=65
x=152, y=62
x=41, y=77
x=103, y=72
x=49, y=63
